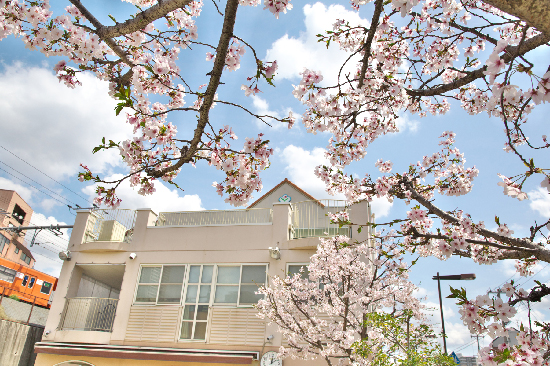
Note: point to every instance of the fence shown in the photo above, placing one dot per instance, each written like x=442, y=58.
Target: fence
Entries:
x=110, y=225
x=216, y=217
x=309, y=219
x=89, y=314
x=20, y=307
x=17, y=345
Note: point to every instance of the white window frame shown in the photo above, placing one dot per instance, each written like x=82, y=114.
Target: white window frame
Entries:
x=238, y=304
x=210, y=301
x=156, y=303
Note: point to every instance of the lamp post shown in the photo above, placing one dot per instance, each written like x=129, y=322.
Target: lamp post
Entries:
x=466, y=277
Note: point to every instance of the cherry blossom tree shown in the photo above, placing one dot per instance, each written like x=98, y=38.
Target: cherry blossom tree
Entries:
x=353, y=303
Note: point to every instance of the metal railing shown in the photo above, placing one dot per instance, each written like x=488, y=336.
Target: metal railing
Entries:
x=110, y=225
x=216, y=217
x=89, y=314
x=309, y=219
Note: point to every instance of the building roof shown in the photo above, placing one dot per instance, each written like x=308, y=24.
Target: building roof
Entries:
x=280, y=184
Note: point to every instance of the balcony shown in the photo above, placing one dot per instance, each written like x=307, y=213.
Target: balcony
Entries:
x=253, y=216
x=310, y=219
x=89, y=314
x=110, y=226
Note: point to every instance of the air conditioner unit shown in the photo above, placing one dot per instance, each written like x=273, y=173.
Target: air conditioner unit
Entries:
x=112, y=230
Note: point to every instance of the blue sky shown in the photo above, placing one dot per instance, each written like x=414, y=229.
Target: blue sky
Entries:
x=55, y=128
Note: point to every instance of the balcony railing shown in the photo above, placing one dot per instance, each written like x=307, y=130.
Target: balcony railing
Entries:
x=110, y=225
x=89, y=314
x=309, y=219
x=216, y=217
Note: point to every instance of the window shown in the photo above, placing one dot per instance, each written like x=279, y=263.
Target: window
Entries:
x=3, y=242
x=7, y=274
x=32, y=281
x=237, y=284
x=25, y=280
x=16, y=250
x=197, y=300
x=25, y=258
x=160, y=284
x=296, y=268
x=19, y=214
x=46, y=288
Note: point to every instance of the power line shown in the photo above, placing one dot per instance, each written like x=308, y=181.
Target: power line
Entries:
x=67, y=188
x=32, y=180
x=63, y=203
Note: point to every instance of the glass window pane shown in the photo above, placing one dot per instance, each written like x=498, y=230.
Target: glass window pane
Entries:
x=228, y=274
x=31, y=283
x=295, y=268
x=169, y=293
x=194, y=274
x=25, y=280
x=200, y=330
x=189, y=312
x=186, y=329
x=173, y=274
x=150, y=275
x=207, y=274
x=226, y=294
x=191, y=293
x=147, y=293
x=204, y=295
x=253, y=274
x=248, y=295
x=202, y=312
x=46, y=287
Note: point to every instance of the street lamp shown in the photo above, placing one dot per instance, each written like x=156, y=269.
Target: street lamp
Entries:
x=465, y=277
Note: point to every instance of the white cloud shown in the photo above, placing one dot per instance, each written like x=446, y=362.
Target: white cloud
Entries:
x=164, y=199
x=405, y=123
x=300, y=166
x=24, y=192
x=55, y=128
x=540, y=201
x=293, y=54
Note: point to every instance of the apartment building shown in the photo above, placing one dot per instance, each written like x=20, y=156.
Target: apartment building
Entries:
x=178, y=288
x=14, y=211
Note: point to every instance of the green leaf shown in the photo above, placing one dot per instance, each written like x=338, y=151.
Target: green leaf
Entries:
x=497, y=220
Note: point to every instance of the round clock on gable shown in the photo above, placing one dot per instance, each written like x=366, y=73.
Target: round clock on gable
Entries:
x=270, y=359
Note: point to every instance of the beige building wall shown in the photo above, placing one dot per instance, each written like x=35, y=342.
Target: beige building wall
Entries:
x=231, y=329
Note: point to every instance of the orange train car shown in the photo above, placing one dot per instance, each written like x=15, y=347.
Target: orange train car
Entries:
x=27, y=284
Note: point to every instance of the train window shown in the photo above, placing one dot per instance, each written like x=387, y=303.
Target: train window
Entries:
x=25, y=280
x=46, y=288
x=7, y=274
x=31, y=283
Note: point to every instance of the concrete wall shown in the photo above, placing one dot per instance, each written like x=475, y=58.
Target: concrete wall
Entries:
x=17, y=343
x=19, y=311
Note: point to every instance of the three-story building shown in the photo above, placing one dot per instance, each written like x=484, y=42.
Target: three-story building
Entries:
x=140, y=288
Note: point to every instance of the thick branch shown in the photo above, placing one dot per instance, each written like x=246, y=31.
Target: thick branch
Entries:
x=141, y=20
x=536, y=250
x=379, y=5
x=108, y=40
x=536, y=13
x=216, y=73
x=512, y=51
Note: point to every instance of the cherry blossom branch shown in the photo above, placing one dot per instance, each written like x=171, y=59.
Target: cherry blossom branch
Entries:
x=536, y=250
x=215, y=75
x=534, y=12
x=522, y=49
